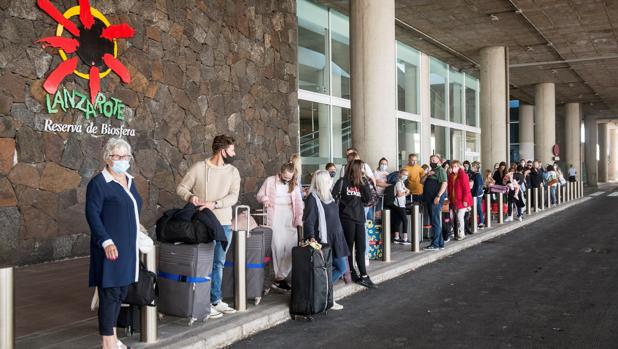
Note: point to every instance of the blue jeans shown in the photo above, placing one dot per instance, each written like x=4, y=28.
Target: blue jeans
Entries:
x=436, y=222
x=217, y=265
x=340, y=266
x=554, y=189
x=479, y=209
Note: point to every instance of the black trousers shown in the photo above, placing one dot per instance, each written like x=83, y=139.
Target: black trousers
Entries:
x=110, y=300
x=399, y=220
x=355, y=237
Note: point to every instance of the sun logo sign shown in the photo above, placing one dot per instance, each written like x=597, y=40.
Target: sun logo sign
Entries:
x=92, y=42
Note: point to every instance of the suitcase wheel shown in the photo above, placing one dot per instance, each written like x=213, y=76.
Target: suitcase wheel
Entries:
x=161, y=316
x=258, y=300
x=191, y=321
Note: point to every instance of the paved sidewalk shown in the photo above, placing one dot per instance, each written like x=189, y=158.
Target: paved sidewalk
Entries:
x=64, y=320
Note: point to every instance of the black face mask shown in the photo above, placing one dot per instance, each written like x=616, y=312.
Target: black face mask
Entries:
x=433, y=165
x=332, y=174
x=228, y=159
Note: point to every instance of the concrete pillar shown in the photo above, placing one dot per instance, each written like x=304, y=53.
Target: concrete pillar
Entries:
x=373, y=71
x=603, y=152
x=526, y=131
x=494, y=98
x=591, y=151
x=425, y=108
x=545, y=122
x=573, y=139
x=613, y=155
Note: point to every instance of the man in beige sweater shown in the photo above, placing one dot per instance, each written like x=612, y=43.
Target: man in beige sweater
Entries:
x=215, y=184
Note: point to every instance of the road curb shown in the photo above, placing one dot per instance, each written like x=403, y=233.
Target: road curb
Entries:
x=268, y=317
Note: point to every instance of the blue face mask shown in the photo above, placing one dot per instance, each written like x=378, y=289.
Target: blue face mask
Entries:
x=121, y=166
x=332, y=174
x=404, y=178
x=383, y=167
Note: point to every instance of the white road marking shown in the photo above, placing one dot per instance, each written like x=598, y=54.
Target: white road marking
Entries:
x=614, y=194
x=597, y=193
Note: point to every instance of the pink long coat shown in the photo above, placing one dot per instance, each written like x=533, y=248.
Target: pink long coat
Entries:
x=268, y=193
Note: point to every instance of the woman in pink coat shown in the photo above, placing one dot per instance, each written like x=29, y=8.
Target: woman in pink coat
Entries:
x=459, y=195
x=282, y=199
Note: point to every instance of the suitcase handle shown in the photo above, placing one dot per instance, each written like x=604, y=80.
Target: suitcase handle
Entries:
x=301, y=234
x=236, y=211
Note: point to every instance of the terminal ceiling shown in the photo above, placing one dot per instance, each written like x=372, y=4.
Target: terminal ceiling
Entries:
x=572, y=43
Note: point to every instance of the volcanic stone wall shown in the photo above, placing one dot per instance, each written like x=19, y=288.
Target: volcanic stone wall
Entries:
x=198, y=68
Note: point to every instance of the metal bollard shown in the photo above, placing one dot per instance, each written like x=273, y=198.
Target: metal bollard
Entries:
x=500, y=208
x=487, y=211
x=542, y=207
x=240, y=271
x=148, y=319
x=386, y=223
x=567, y=188
x=7, y=312
x=581, y=189
x=416, y=246
x=536, y=199
x=528, y=200
x=559, y=194
x=548, y=197
x=475, y=217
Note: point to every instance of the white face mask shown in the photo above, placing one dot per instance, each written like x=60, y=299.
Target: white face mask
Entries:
x=121, y=166
x=383, y=167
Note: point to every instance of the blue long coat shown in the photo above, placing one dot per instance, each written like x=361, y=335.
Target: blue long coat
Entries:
x=111, y=215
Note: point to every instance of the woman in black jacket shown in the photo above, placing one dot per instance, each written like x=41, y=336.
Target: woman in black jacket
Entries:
x=321, y=223
x=352, y=192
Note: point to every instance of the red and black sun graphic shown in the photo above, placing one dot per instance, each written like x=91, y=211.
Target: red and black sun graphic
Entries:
x=92, y=40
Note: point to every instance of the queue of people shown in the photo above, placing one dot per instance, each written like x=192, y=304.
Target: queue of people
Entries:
x=333, y=211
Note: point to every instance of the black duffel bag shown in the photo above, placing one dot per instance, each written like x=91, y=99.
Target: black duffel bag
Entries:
x=190, y=226
x=145, y=291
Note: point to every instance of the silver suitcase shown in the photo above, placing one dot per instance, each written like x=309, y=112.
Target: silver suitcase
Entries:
x=185, y=272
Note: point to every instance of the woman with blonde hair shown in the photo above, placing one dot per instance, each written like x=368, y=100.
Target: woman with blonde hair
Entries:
x=321, y=222
x=282, y=199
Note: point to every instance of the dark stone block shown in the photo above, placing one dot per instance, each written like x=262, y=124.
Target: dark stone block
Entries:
x=72, y=156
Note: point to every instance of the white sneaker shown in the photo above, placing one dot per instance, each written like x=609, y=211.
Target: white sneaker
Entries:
x=509, y=219
x=214, y=313
x=336, y=306
x=224, y=308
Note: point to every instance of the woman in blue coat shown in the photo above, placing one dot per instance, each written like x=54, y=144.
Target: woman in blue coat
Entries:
x=112, y=210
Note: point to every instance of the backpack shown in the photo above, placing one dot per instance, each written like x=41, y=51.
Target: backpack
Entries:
x=389, y=196
x=392, y=177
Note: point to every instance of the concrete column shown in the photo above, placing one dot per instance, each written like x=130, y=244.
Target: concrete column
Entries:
x=425, y=108
x=545, y=122
x=591, y=151
x=526, y=131
x=572, y=125
x=373, y=71
x=613, y=155
x=493, y=106
x=603, y=152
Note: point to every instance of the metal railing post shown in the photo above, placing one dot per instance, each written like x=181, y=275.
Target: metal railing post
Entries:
x=548, y=197
x=567, y=188
x=7, y=310
x=240, y=270
x=528, y=201
x=475, y=217
x=488, y=210
x=559, y=193
x=542, y=206
x=386, y=223
x=581, y=189
x=416, y=246
x=500, y=208
x=148, y=318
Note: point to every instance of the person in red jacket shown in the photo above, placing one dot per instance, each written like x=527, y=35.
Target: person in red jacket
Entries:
x=459, y=195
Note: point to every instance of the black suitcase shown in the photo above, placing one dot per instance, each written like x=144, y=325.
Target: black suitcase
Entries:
x=312, y=286
x=129, y=319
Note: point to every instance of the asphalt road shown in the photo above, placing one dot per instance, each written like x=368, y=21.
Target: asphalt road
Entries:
x=553, y=284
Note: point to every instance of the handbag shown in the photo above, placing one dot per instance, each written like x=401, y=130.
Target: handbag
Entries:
x=552, y=182
x=374, y=198
x=145, y=291
x=496, y=188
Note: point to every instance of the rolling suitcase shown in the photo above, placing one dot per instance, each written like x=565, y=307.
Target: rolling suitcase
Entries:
x=312, y=286
x=184, y=280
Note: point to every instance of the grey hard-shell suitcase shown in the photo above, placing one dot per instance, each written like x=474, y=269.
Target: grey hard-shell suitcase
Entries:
x=185, y=272
x=258, y=259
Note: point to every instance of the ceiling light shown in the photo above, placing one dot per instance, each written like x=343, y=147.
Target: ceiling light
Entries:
x=519, y=12
x=554, y=71
x=571, y=84
x=550, y=44
x=529, y=48
x=494, y=18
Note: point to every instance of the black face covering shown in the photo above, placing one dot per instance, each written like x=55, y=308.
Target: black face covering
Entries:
x=228, y=159
x=433, y=166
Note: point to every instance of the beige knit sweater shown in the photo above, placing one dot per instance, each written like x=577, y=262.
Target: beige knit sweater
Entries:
x=212, y=183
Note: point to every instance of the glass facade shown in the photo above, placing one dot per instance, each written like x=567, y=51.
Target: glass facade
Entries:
x=324, y=96
x=409, y=137
x=437, y=80
x=408, y=62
